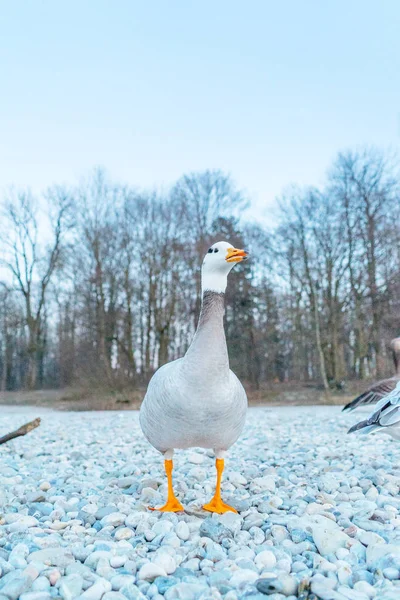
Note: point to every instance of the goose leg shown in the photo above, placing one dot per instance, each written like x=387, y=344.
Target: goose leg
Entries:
x=216, y=504
x=172, y=504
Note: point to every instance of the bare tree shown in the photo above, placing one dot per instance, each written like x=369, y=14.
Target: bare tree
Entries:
x=365, y=183
x=30, y=263
x=112, y=298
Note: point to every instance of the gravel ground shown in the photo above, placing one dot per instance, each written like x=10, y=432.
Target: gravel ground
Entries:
x=319, y=511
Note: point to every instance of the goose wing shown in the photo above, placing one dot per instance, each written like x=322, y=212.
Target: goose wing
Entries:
x=385, y=414
x=373, y=394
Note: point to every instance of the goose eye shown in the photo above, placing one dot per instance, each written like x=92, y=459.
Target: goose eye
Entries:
x=216, y=250
x=210, y=250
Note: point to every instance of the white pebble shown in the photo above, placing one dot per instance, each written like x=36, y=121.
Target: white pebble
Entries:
x=123, y=534
x=166, y=562
x=182, y=531
x=265, y=560
x=150, y=571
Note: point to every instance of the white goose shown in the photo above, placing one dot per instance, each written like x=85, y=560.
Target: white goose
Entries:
x=196, y=401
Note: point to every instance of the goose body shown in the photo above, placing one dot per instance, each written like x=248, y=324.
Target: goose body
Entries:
x=176, y=413
x=197, y=401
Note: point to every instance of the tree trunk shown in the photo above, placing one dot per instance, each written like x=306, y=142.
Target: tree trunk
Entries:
x=320, y=351
x=32, y=352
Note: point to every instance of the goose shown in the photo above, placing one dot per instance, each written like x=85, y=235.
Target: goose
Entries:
x=379, y=390
x=385, y=417
x=196, y=400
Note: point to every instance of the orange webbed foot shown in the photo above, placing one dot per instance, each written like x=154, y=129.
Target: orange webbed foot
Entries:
x=218, y=506
x=172, y=505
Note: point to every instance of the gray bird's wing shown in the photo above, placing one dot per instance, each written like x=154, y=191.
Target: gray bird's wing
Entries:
x=385, y=414
x=373, y=394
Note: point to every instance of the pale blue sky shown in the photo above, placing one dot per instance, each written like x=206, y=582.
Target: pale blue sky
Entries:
x=268, y=91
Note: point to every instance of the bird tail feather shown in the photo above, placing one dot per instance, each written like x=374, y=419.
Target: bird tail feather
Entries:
x=366, y=427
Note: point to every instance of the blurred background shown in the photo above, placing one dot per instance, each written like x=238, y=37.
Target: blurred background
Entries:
x=133, y=136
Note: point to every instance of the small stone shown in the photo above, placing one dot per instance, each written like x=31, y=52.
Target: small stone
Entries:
x=322, y=587
x=54, y=576
x=37, y=496
x=166, y=562
x=184, y=591
x=343, y=574
x=351, y=594
x=193, y=564
x=71, y=586
x=123, y=534
x=94, y=558
x=17, y=561
x=149, y=535
x=213, y=529
x=237, y=478
x=262, y=484
x=22, y=523
x=126, y=482
x=150, y=571
x=195, y=458
x=365, y=588
x=231, y=521
x=162, y=527
x=286, y=585
x=377, y=551
x=164, y=583
x=15, y=587
x=242, y=576
x=57, y=557
x=148, y=483
x=171, y=539
x=41, y=584
x=391, y=573
x=182, y=531
x=327, y=535
x=91, y=508
x=120, y=580
x=118, y=561
x=104, y=511
x=114, y=519
x=132, y=592
x=265, y=560
x=342, y=553
x=96, y=591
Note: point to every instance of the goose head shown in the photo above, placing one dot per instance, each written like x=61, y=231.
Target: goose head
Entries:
x=219, y=260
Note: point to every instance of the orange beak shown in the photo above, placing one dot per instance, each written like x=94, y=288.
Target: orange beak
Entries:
x=235, y=255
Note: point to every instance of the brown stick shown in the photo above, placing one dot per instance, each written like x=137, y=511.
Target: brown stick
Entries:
x=23, y=430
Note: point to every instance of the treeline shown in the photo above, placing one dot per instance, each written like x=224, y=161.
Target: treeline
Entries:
x=100, y=284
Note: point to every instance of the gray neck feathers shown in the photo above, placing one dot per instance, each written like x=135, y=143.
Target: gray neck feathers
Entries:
x=208, y=349
x=212, y=309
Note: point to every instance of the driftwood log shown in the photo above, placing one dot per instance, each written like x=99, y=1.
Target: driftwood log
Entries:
x=23, y=430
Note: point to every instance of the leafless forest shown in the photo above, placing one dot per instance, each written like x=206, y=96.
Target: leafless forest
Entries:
x=99, y=284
